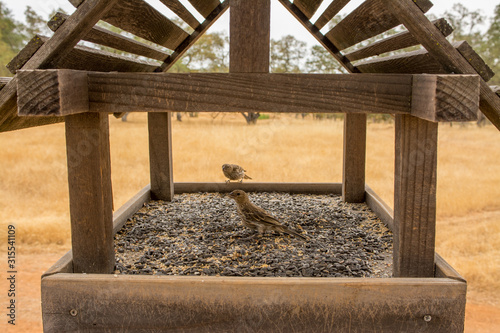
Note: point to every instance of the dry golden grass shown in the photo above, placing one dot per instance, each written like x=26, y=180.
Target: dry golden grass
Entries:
x=34, y=192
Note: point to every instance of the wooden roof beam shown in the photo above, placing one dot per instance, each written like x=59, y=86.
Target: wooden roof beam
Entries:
x=431, y=97
x=442, y=50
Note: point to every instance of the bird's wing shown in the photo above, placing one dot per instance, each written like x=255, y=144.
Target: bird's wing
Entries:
x=260, y=215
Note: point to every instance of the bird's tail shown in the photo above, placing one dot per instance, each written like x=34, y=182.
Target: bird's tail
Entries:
x=293, y=233
x=246, y=177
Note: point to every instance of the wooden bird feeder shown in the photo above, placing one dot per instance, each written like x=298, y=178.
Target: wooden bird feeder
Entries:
x=58, y=80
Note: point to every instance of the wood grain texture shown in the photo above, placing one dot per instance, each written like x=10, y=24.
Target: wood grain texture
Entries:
x=415, y=197
x=194, y=36
x=249, y=28
x=296, y=188
x=52, y=92
x=108, y=38
x=90, y=194
x=160, y=156
x=333, y=9
x=218, y=92
x=308, y=7
x=205, y=7
x=225, y=304
x=4, y=81
x=368, y=20
x=121, y=215
x=354, y=158
x=181, y=11
x=22, y=57
x=142, y=20
x=395, y=42
x=442, y=50
x=441, y=107
x=327, y=44
x=379, y=207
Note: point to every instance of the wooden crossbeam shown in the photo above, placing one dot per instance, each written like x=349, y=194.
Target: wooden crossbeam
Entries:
x=445, y=97
x=178, y=8
x=108, y=38
x=395, y=42
x=205, y=7
x=333, y=9
x=308, y=7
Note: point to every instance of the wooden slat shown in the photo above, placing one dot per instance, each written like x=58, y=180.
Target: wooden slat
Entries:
x=250, y=304
x=249, y=29
x=333, y=9
x=181, y=11
x=443, y=269
x=205, y=7
x=90, y=194
x=193, y=38
x=297, y=188
x=368, y=20
x=308, y=7
x=327, y=44
x=4, y=81
x=354, y=157
x=428, y=35
x=379, y=207
x=415, y=197
x=83, y=58
x=441, y=107
x=128, y=209
x=160, y=156
x=395, y=42
x=142, y=20
x=108, y=38
x=61, y=43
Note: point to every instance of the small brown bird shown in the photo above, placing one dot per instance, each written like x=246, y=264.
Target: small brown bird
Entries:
x=257, y=218
x=234, y=172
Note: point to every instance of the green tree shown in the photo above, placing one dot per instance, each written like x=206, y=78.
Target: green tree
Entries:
x=321, y=61
x=35, y=24
x=209, y=54
x=466, y=25
x=287, y=55
x=491, y=53
x=11, y=38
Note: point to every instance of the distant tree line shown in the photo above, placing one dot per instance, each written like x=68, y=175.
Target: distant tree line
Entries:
x=288, y=54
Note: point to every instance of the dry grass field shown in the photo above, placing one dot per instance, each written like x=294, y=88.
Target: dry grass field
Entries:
x=34, y=194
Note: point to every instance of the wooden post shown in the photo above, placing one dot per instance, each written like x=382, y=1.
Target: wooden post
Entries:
x=249, y=36
x=160, y=155
x=90, y=193
x=353, y=175
x=415, y=197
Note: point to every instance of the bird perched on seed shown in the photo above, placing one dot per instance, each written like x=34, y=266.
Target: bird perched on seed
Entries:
x=257, y=218
x=234, y=172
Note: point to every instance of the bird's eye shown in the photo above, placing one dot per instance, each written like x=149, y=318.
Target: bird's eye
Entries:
x=238, y=193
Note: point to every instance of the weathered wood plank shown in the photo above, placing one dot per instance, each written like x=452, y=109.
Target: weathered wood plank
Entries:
x=142, y=20
x=395, y=42
x=308, y=7
x=441, y=107
x=194, y=36
x=84, y=58
x=297, y=188
x=225, y=304
x=4, y=81
x=63, y=265
x=354, y=158
x=475, y=60
x=205, y=7
x=160, y=156
x=52, y=92
x=368, y=20
x=108, y=38
x=129, y=208
x=379, y=207
x=333, y=9
x=181, y=11
x=323, y=40
x=414, y=197
x=119, y=92
x=250, y=36
x=428, y=35
x=443, y=269
x=58, y=47
x=90, y=194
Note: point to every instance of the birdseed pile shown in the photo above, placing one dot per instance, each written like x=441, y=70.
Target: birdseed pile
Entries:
x=201, y=234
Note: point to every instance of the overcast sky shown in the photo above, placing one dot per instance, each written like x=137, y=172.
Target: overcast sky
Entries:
x=282, y=22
